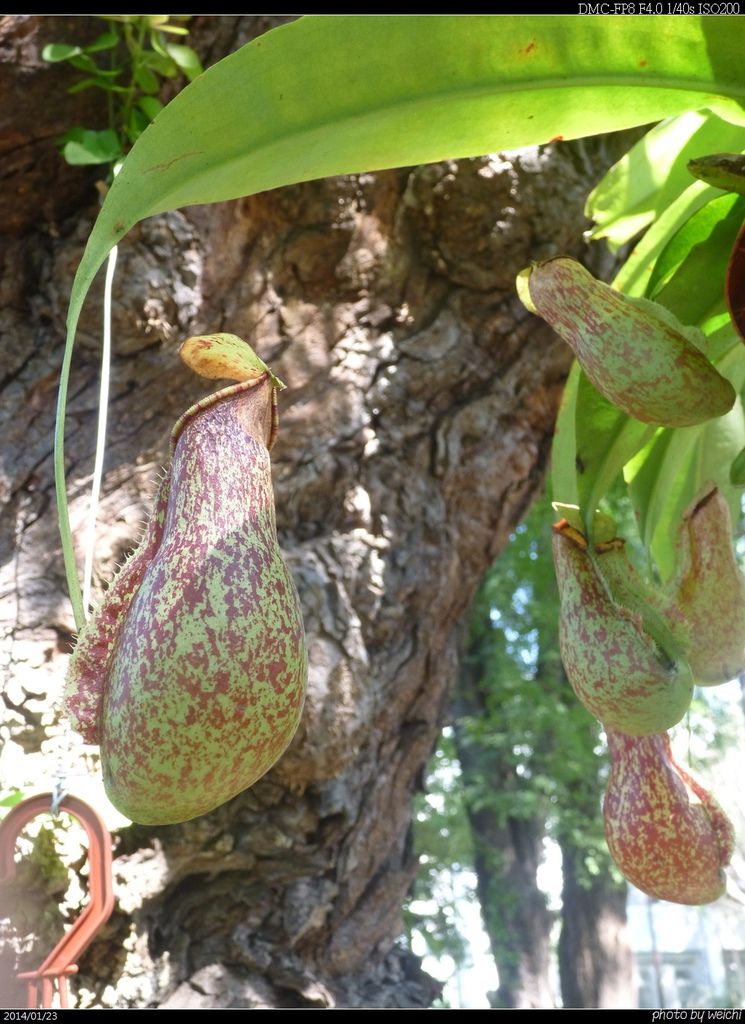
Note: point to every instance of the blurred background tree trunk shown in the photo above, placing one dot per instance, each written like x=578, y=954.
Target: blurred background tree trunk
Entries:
x=507, y=847
x=414, y=436
x=594, y=956
x=533, y=773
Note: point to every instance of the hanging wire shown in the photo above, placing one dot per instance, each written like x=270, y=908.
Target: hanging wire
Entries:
x=80, y=605
x=103, y=404
x=64, y=757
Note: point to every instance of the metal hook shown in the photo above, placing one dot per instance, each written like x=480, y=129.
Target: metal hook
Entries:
x=61, y=962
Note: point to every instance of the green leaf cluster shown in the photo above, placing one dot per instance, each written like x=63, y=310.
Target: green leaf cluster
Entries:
x=680, y=264
x=129, y=63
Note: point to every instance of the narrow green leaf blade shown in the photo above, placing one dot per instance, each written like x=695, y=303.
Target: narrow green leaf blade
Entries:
x=734, y=291
x=606, y=439
x=666, y=477
x=694, y=292
x=737, y=470
x=644, y=182
x=708, y=455
x=563, y=463
x=703, y=241
x=341, y=94
x=641, y=474
x=96, y=82
x=682, y=259
x=633, y=277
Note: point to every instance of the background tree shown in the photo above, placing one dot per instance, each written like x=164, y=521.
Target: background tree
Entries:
x=526, y=729
x=531, y=769
x=434, y=911
x=414, y=436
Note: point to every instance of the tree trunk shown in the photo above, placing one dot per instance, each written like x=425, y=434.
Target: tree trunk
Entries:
x=507, y=854
x=413, y=436
x=516, y=917
x=594, y=956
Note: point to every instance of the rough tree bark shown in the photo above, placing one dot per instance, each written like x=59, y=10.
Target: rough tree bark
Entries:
x=413, y=437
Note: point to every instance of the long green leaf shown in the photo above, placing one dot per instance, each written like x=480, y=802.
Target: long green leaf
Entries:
x=687, y=277
x=694, y=455
x=563, y=450
x=689, y=274
x=633, y=277
x=644, y=182
x=593, y=441
x=666, y=476
x=334, y=95
x=699, y=232
x=606, y=439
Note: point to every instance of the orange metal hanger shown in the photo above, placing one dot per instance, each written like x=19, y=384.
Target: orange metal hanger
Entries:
x=62, y=961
